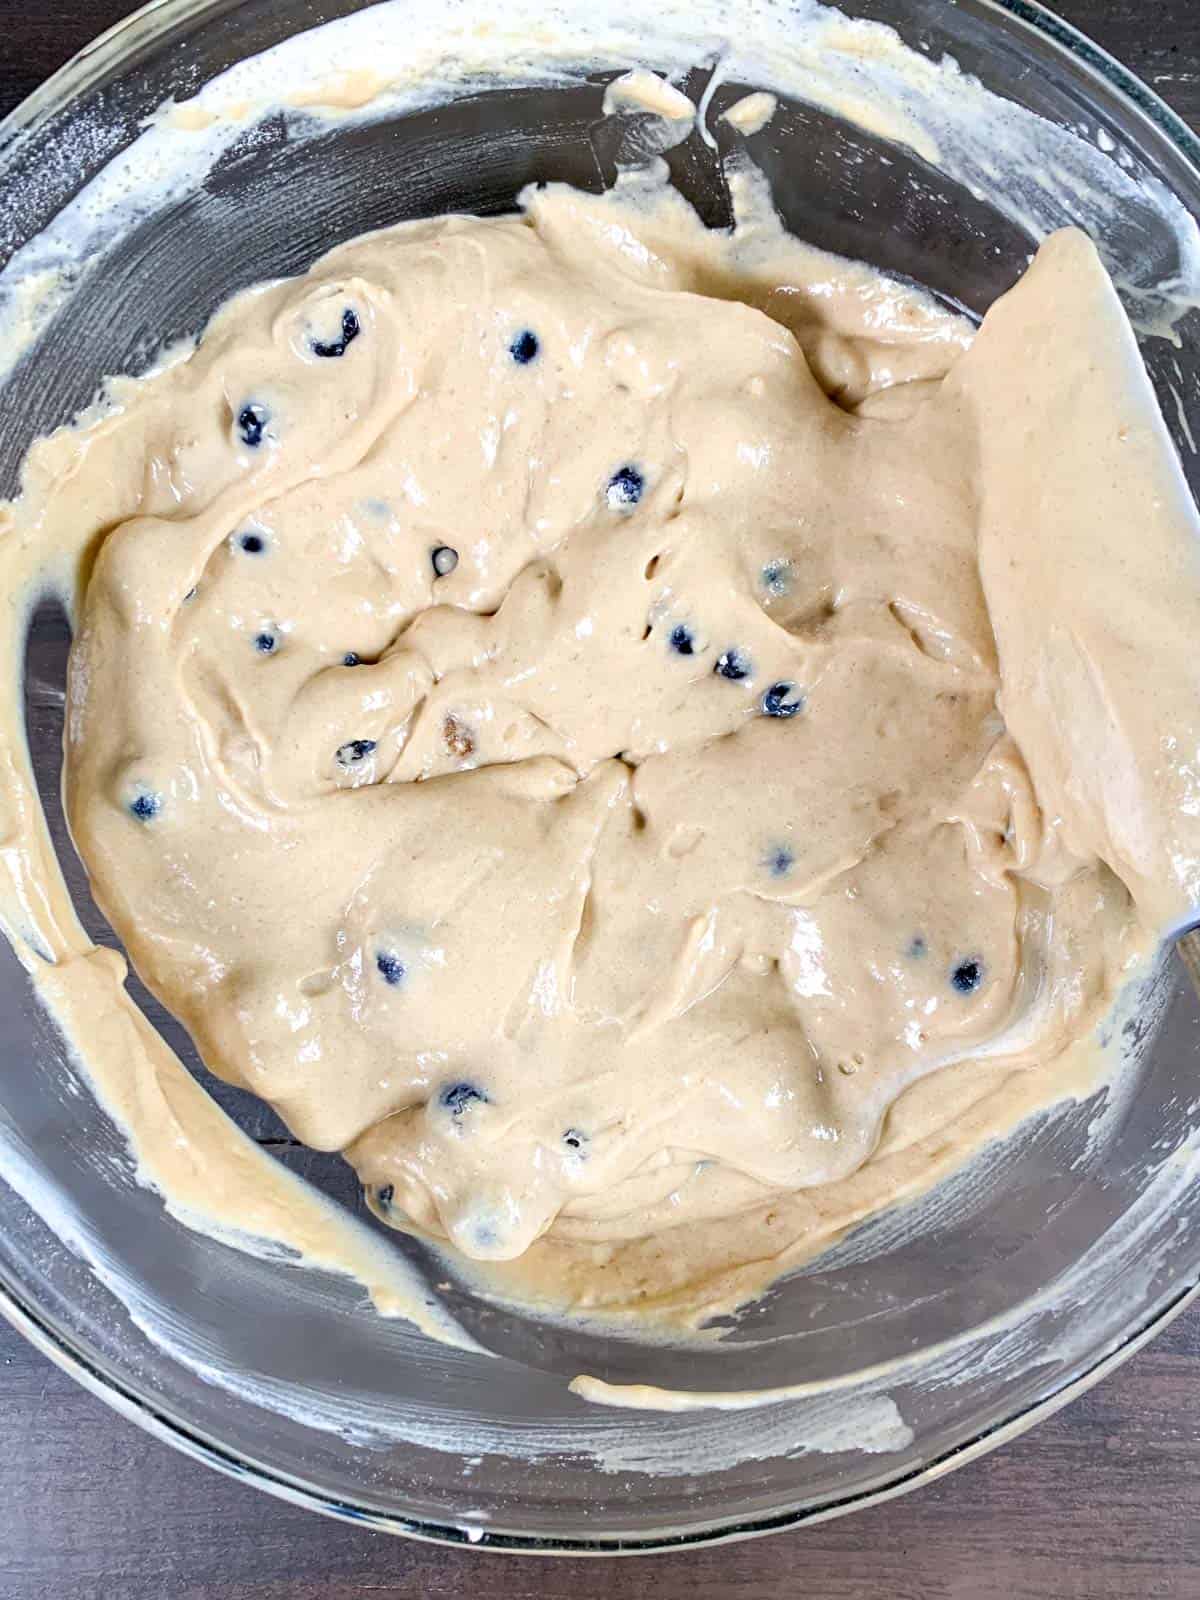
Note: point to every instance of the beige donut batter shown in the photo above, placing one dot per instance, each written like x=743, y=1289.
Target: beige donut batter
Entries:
x=588, y=716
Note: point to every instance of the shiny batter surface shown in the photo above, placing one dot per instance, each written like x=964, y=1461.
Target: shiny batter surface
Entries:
x=589, y=716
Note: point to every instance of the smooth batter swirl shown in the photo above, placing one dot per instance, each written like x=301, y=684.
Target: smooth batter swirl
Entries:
x=536, y=722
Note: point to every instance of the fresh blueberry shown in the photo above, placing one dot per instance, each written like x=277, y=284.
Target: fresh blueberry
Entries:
x=390, y=967
x=733, y=664
x=145, y=805
x=625, y=488
x=265, y=643
x=575, y=1139
x=967, y=975
x=251, y=421
x=337, y=347
x=524, y=347
x=683, y=641
x=456, y=1097
x=917, y=947
x=444, y=560
x=780, y=861
x=351, y=659
x=782, y=700
x=384, y=1196
x=354, y=750
x=253, y=543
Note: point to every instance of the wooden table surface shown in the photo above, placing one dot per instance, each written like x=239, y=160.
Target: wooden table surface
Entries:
x=1102, y=1501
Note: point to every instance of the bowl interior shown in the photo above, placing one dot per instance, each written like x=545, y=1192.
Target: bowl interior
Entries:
x=922, y=1332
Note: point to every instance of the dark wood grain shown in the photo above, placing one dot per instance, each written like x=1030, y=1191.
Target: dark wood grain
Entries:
x=1101, y=1501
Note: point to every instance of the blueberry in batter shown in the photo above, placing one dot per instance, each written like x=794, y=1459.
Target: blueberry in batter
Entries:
x=734, y=665
x=252, y=420
x=782, y=700
x=355, y=750
x=145, y=805
x=458, y=1096
x=390, y=968
x=332, y=349
x=625, y=488
x=524, y=347
x=967, y=976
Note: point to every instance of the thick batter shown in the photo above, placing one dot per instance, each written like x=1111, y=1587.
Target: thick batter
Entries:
x=589, y=716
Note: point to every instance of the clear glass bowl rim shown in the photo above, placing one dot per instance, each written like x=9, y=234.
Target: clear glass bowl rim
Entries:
x=74, y=78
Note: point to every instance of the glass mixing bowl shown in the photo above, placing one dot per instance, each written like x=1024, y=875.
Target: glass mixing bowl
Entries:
x=923, y=1338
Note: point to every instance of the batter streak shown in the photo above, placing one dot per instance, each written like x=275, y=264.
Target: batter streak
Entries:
x=587, y=715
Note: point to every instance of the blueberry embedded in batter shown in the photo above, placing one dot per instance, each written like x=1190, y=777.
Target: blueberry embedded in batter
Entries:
x=625, y=488
x=782, y=700
x=252, y=421
x=332, y=349
x=776, y=577
x=390, y=968
x=457, y=1097
x=524, y=347
x=733, y=664
x=354, y=751
x=780, y=860
x=967, y=975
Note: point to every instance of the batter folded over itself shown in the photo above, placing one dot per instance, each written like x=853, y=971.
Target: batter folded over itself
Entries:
x=654, y=742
